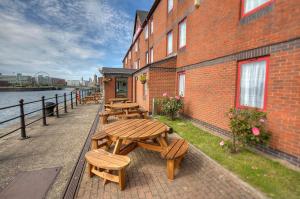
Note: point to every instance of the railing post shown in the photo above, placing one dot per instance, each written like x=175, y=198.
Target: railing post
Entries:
x=79, y=96
x=65, y=102
x=22, y=120
x=44, y=111
x=56, y=101
x=71, y=100
x=76, y=100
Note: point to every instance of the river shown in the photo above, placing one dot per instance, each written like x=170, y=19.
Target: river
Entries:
x=12, y=98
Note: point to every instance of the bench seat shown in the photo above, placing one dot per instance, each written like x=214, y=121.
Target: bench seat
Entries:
x=100, y=161
x=100, y=139
x=174, y=153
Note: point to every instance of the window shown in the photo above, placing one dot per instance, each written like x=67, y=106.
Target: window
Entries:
x=250, y=6
x=169, y=43
x=145, y=89
x=146, y=31
x=252, y=78
x=138, y=63
x=151, y=55
x=135, y=65
x=147, y=57
x=136, y=45
x=170, y=5
x=151, y=27
x=182, y=33
x=181, y=84
x=129, y=55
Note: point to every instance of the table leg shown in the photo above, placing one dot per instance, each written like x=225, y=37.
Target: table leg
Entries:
x=162, y=141
x=116, y=151
x=117, y=146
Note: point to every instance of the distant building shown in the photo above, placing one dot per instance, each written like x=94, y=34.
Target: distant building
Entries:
x=58, y=81
x=73, y=82
x=16, y=80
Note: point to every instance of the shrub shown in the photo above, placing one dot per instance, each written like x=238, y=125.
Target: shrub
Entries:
x=248, y=127
x=171, y=105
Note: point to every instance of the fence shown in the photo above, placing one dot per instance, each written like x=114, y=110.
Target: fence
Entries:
x=67, y=100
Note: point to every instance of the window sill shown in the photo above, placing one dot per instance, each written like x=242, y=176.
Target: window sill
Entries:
x=251, y=16
x=182, y=49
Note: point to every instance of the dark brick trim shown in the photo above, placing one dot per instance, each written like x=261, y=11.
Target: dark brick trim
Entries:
x=248, y=54
x=273, y=152
x=262, y=12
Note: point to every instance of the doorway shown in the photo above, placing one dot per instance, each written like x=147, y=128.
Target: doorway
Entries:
x=121, y=87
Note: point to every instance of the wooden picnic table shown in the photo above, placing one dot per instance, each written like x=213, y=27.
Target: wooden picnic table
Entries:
x=137, y=132
x=114, y=100
x=123, y=106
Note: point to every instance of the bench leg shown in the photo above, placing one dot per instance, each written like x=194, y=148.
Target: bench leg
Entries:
x=94, y=144
x=177, y=162
x=170, y=169
x=122, y=178
x=91, y=174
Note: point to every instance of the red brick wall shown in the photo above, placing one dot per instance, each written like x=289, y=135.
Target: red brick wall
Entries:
x=283, y=102
x=216, y=30
x=109, y=89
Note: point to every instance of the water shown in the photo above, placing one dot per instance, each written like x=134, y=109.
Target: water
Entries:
x=12, y=98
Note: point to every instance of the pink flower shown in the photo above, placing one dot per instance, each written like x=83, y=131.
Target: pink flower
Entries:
x=165, y=94
x=177, y=97
x=255, y=131
x=262, y=120
x=222, y=143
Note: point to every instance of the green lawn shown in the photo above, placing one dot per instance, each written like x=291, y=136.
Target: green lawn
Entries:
x=272, y=178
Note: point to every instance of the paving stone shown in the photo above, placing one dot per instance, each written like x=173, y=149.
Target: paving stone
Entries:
x=198, y=177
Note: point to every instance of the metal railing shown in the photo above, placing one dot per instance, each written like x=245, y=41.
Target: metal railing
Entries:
x=67, y=100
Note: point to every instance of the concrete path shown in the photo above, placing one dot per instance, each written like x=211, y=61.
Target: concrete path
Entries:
x=199, y=177
x=57, y=145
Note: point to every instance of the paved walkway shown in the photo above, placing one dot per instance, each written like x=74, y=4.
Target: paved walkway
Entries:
x=199, y=177
x=57, y=145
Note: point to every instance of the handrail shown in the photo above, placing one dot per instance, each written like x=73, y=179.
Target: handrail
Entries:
x=78, y=95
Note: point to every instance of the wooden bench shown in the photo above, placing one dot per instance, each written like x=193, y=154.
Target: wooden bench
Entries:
x=174, y=153
x=100, y=139
x=106, y=162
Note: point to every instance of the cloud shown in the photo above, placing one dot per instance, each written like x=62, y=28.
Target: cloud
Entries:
x=64, y=38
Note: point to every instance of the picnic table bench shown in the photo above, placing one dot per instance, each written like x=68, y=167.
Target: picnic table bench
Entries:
x=174, y=154
x=101, y=162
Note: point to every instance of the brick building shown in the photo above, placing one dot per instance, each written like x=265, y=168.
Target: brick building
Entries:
x=219, y=55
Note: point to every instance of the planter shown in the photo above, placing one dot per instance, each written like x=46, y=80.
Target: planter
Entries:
x=143, y=81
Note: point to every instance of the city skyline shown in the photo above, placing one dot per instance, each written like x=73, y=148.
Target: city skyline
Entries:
x=67, y=40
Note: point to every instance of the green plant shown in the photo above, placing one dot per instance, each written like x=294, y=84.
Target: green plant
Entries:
x=247, y=128
x=171, y=105
x=143, y=78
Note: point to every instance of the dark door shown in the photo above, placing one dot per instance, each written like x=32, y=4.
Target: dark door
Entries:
x=121, y=86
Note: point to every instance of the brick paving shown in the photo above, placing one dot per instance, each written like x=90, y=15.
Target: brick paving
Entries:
x=198, y=177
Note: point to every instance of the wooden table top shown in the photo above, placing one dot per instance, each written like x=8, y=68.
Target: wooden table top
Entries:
x=118, y=99
x=135, y=129
x=123, y=105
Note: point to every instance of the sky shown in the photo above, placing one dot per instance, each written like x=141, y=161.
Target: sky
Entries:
x=69, y=39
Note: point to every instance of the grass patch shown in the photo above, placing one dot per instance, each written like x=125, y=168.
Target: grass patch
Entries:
x=271, y=177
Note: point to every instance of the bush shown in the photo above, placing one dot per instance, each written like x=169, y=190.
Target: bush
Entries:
x=248, y=128
x=171, y=105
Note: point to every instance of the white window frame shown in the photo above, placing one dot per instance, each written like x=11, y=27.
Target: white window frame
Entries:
x=248, y=93
x=136, y=46
x=181, y=84
x=170, y=43
x=146, y=31
x=147, y=57
x=255, y=4
x=151, y=55
x=170, y=5
x=151, y=26
x=129, y=55
x=181, y=39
